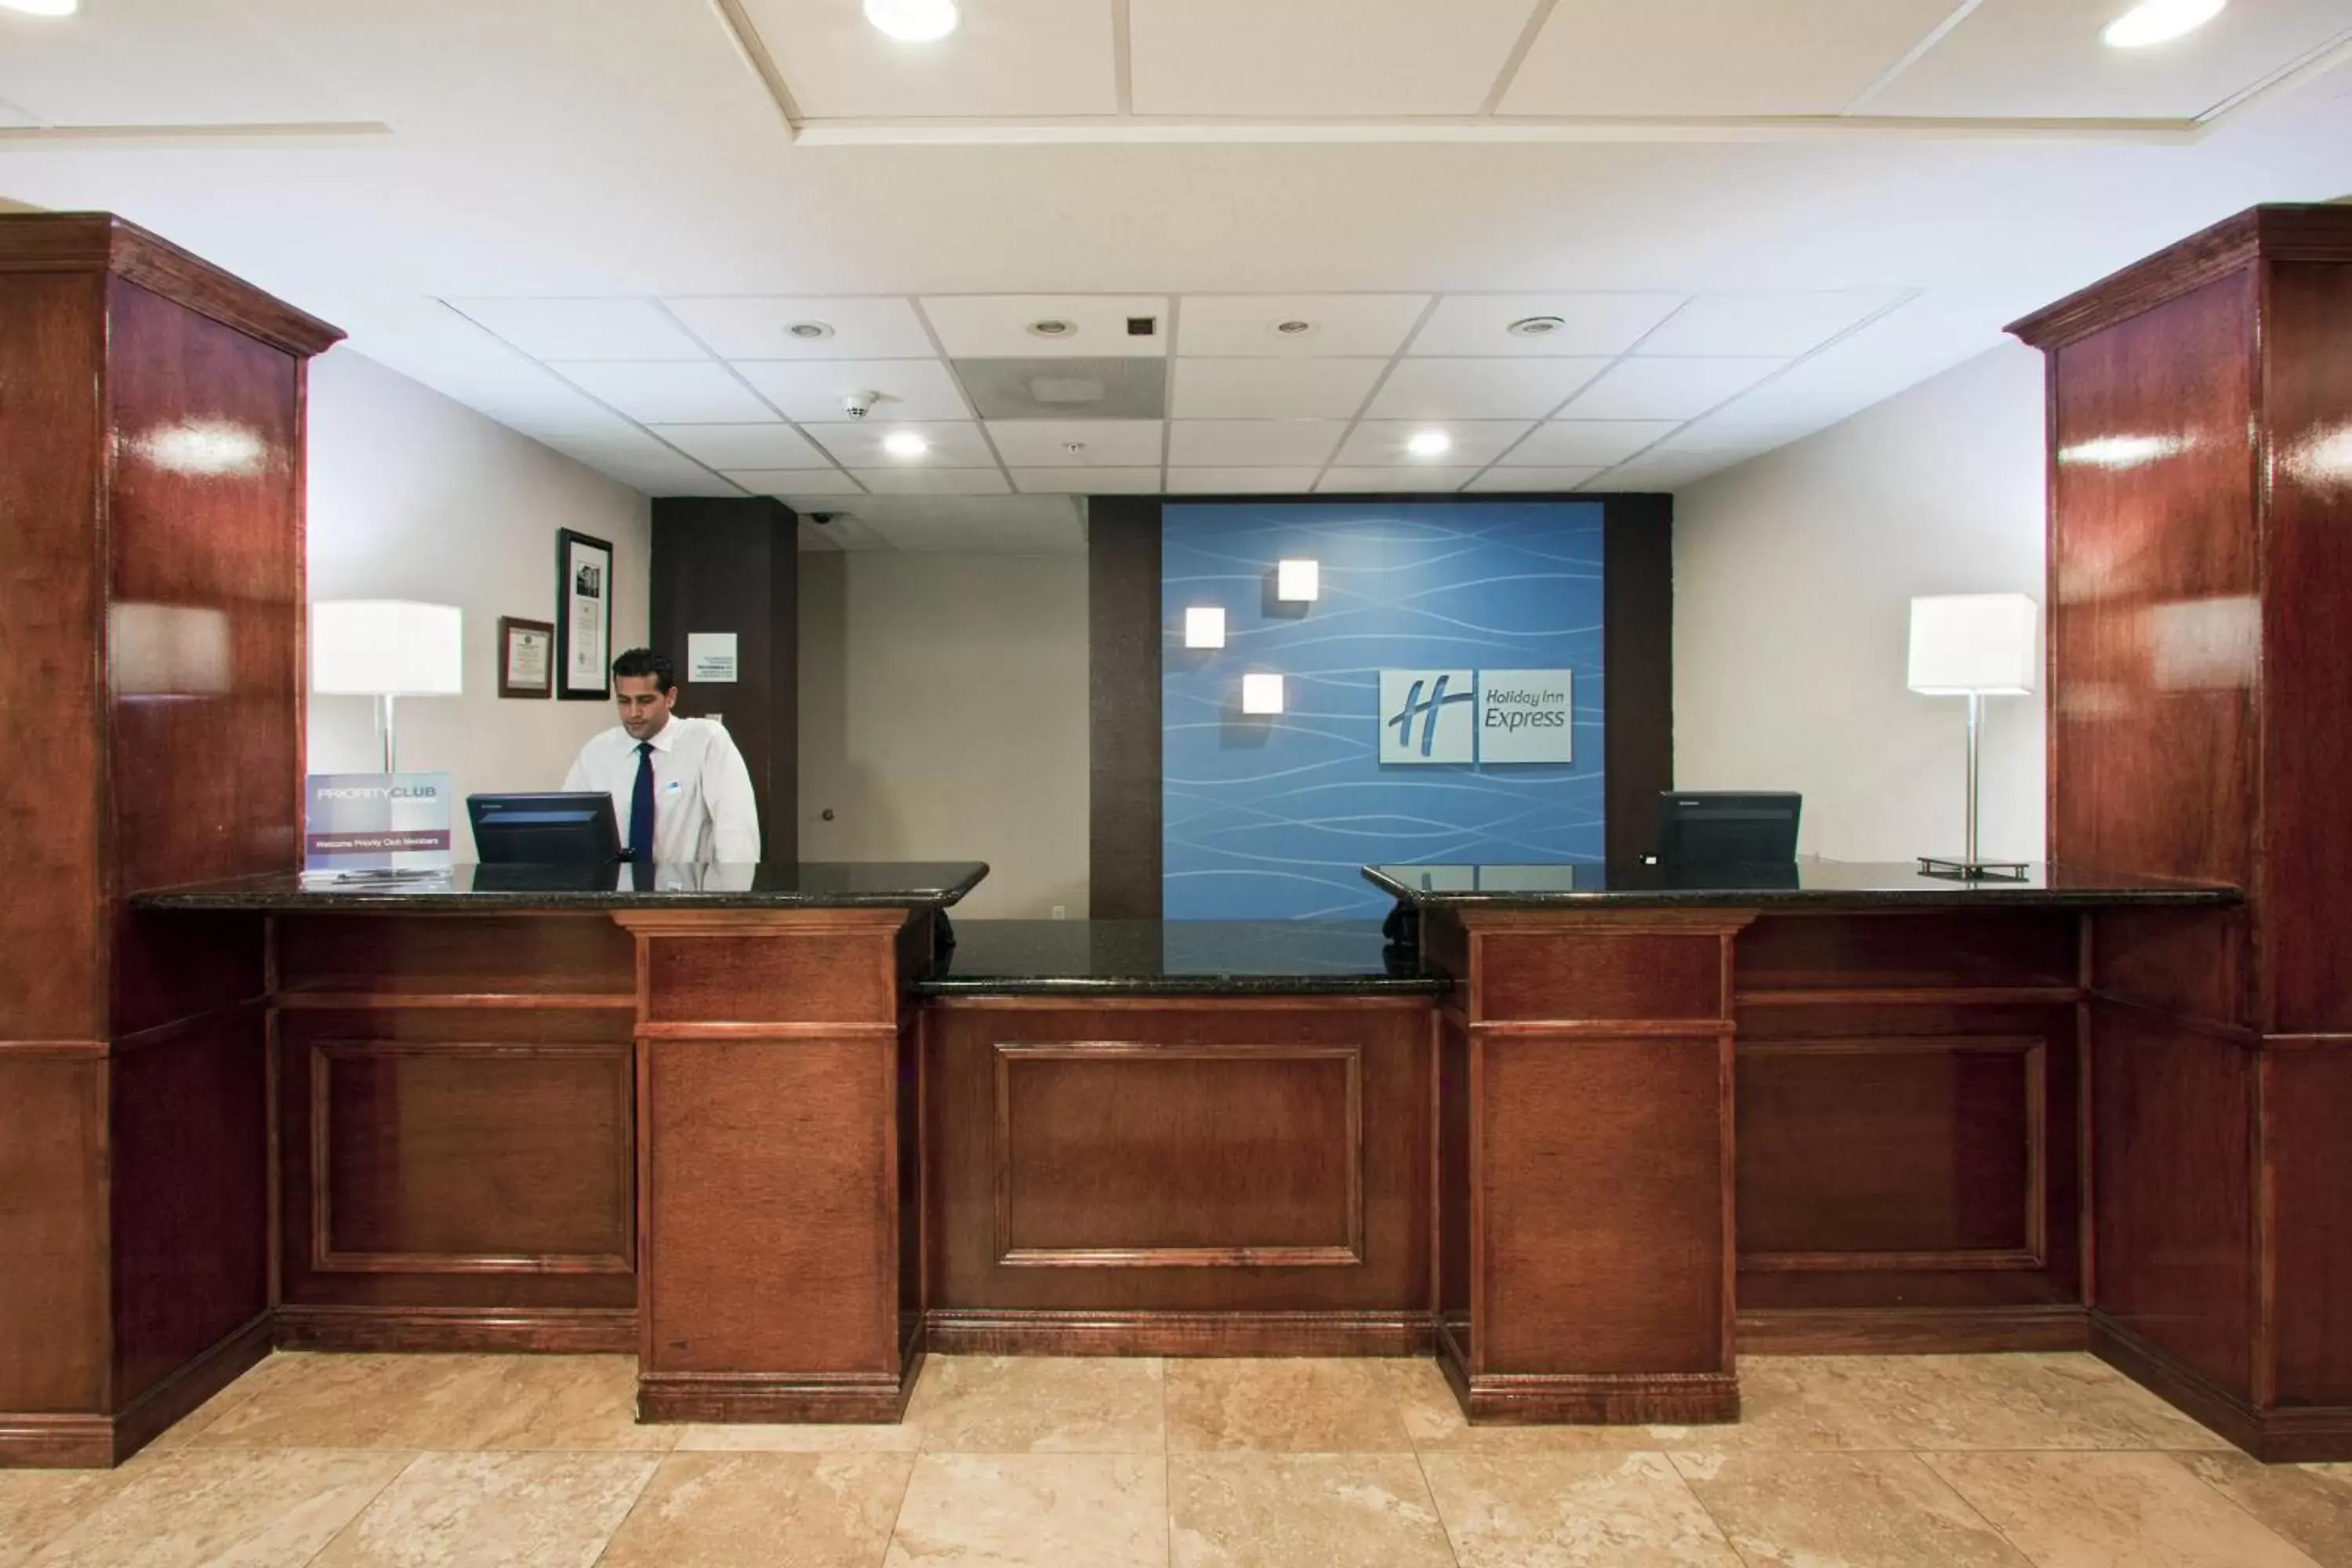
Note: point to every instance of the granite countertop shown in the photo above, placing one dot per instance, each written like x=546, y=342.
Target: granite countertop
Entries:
x=806, y=884
x=1172, y=958
x=1804, y=884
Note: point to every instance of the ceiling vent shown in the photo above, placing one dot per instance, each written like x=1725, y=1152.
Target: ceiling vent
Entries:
x=1128, y=387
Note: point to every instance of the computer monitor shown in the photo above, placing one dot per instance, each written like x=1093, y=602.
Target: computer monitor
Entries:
x=575, y=829
x=1708, y=828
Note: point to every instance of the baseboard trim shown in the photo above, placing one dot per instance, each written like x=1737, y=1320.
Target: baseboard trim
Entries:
x=776, y=1398
x=1912, y=1331
x=574, y=1330
x=970, y=1332
x=2291, y=1434
x=91, y=1442
x=1587, y=1399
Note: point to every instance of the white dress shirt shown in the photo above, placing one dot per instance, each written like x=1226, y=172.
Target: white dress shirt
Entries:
x=703, y=809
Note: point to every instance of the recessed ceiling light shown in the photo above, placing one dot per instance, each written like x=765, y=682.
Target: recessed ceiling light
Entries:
x=2155, y=21
x=42, y=7
x=1052, y=327
x=905, y=443
x=809, y=330
x=1536, y=326
x=912, y=21
x=1293, y=328
x=1429, y=444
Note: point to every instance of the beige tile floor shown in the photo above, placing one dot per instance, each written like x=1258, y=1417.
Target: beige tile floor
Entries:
x=521, y=1462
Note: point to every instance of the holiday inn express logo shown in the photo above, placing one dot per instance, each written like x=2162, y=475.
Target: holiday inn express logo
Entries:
x=1458, y=716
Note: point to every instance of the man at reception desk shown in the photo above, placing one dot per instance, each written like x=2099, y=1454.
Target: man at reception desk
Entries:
x=679, y=786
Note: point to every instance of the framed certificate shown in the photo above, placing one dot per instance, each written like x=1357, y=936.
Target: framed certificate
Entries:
x=526, y=658
x=583, y=632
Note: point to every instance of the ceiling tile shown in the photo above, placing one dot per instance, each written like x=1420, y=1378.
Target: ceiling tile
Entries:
x=788, y=483
x=1668, y=388
x=814, y=391
x=661, y=472
x=996, y=326
x=1480, y=388
x=1372, y=58
x=1105, y=443
x=1477, y=442
x=1087, y=481
x=1590, y=323
x=1025, y=59
x=1272, y=388
x=744, y=446
x=1575, y=443
x=1785, y=323
x=1337, y=325
x=954, y=445
x=912, y=481
x=1242, y=481
x=1686, y=58
x=1393, y=481
x=661, y=394
x=1553, y=479
x=1253, y=443
x=2043, y=59
x=754, y=327
x=583, y=329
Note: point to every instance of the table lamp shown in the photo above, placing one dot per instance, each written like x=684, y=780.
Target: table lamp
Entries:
x=1974, y=645
x=387, y=649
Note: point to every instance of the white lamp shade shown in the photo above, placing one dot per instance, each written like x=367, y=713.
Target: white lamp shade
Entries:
x=1295, y=581
x=386, y=647
x=1984, y=643
x=1204, y=626
x=1261, y=694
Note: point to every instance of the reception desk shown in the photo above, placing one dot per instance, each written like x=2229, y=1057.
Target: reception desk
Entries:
x=1578, y=1133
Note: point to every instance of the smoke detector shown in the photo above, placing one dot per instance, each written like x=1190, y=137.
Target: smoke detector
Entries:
x=809, y=330
x=1293, y=328
x=1535, y=326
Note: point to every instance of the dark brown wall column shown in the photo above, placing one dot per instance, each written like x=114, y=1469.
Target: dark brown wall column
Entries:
x=726, y=566
x=1123, y=693
x=1637, y=665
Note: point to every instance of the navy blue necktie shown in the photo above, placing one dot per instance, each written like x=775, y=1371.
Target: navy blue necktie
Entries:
x=641, y=806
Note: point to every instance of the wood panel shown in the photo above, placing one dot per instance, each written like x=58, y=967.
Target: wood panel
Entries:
x=442, y=1165
x=1134, y=1154
x=2172, y=1163
x=1174, y=1130
x=539, y=956
x=471, y=1156
x=56, y=1356
x=1906, y=950
x=1608, y=975
x=2308, y=1103
x=732, y=564
x=828, y=975
x=2189, y=963
x=52, y=587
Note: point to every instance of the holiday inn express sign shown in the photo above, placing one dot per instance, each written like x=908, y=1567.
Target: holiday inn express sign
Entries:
x=1437, y=716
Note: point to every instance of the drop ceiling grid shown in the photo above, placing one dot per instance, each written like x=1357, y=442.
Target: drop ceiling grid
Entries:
x=1344, y=454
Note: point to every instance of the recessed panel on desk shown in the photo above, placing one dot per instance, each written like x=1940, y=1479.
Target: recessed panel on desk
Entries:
x=1895, y=950
x=1139, y=1155
x=455, y=955
x=1575, y=974
x=818, y=976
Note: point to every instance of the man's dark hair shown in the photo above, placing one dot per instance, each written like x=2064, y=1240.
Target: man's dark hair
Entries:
x=645, y=661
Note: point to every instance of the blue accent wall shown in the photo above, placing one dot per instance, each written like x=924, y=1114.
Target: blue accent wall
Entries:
x=1270, y=818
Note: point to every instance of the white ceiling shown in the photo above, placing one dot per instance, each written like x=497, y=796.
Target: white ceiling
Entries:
x=595, y=220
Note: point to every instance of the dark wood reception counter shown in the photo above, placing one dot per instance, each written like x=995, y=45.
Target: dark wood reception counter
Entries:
x=779, y=1132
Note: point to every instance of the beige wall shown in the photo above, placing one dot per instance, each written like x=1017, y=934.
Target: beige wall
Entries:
x=412, y=496
x=1793, y=574
x=943, y=717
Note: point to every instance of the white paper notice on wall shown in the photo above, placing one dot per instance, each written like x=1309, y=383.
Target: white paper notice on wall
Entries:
x=710, y=657
x=1526, y=716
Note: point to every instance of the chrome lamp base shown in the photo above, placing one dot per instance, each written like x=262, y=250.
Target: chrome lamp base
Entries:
x=1970, y=871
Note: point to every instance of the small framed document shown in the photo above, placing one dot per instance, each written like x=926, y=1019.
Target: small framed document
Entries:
x=526, y=658
x=584, y=635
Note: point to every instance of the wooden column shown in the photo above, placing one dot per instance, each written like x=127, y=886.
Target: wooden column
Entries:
x=2200, y=436
x=1585, y=1165
x=151, y=620
x=779, y=1233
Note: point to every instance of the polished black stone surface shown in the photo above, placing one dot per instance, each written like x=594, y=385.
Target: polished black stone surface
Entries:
x=807, y=884
x=1172, y=958
x=1804, y=883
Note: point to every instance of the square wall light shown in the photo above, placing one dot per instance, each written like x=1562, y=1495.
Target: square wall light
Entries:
x=1295, y=581
x=1261, y=694
x=1204, y=626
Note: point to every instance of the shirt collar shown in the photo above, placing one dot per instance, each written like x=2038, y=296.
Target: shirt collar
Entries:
x=666, y=739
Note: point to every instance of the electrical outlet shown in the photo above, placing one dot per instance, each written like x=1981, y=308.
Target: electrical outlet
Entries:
x=1061, y=911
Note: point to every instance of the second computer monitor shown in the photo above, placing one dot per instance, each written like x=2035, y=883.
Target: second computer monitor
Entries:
x=573, y=828
x=1708, y=828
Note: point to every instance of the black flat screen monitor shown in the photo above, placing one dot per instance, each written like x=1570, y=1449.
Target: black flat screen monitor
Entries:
x=1702, y=829
x=559, y=830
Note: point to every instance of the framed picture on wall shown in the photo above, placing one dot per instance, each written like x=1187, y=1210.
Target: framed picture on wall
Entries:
x=526, y=658
x=583, y=632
